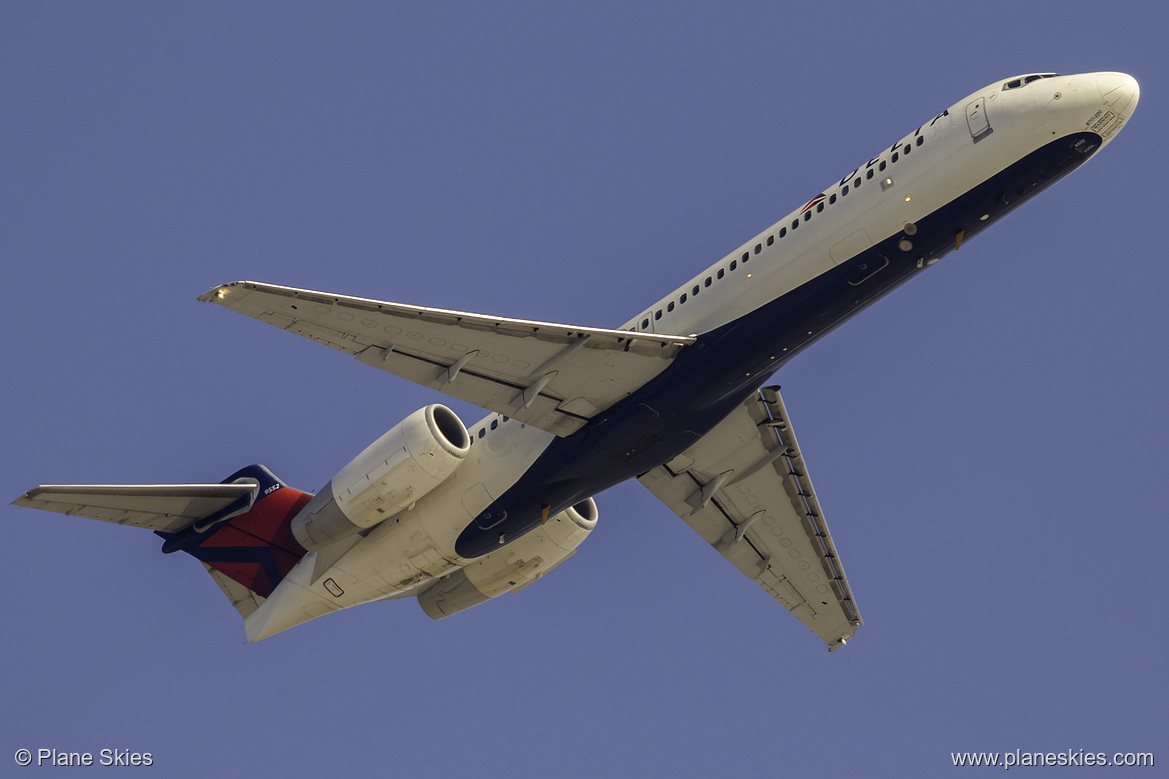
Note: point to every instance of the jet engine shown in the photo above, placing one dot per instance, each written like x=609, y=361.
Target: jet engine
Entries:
x=513, y=567
x=406, y=463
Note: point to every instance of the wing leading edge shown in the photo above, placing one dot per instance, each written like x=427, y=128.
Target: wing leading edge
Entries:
x=744, y=488
x=551, y=376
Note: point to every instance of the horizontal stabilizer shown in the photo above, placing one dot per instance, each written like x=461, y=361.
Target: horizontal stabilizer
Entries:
x=168, y=508
x=240, y=530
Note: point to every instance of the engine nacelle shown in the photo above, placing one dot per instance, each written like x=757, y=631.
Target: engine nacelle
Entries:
x=513, y=567
x=406, y=463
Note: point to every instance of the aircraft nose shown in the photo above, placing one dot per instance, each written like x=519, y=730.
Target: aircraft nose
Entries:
x=1120, y=91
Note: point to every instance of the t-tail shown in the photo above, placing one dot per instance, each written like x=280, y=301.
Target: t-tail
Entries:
x=249, y=542
x=238, y=529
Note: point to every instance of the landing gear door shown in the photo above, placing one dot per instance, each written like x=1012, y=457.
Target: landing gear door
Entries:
x=977, y=120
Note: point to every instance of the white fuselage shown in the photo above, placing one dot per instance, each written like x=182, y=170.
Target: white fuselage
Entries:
x=888, y=195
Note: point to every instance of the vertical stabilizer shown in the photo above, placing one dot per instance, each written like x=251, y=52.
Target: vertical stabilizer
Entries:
x=254, y=548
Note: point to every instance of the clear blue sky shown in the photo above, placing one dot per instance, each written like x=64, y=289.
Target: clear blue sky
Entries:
x=988, y=442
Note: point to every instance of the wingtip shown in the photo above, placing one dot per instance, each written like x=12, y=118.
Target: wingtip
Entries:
x=214, y=294
x=220, y=291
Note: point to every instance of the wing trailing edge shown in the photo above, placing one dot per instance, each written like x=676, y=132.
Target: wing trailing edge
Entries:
x=745, y=489
x=552, y=376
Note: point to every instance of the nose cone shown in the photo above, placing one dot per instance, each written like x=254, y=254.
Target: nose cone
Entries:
x=1120, y=91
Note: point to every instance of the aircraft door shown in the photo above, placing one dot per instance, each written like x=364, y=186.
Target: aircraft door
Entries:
x=645, y=322
x=976, y=119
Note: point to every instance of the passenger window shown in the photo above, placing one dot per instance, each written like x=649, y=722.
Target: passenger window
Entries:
x=920, y=140
x=807, y=215
x=645, y=323
x=844, y=191
x=881, y=166
x=494, y=423
x=758, y=248
x=748, y=254
x=896, y=157
x=721, y=273
x=670, y=307
x=770, y=239
x=658, y=314
x=832, y=200
x=856, y=183
x=869, y=174
x=695, y=290
x=734, y=264
x=819, y=207
x=782, y=232
x=482, y=432
x=707, y=282
x=683, y=298
x=907, y=149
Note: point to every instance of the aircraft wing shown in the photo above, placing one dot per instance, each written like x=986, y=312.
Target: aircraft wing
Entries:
x=744, y=488
x=554, y=377
x=165, y=507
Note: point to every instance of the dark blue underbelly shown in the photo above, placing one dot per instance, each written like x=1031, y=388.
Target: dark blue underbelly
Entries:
x=711, y=377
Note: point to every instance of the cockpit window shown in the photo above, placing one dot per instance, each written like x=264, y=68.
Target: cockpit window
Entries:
x=1023, y=81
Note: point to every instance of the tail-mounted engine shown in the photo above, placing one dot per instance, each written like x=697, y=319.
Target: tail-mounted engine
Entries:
x=405, y=464
x=513, y=567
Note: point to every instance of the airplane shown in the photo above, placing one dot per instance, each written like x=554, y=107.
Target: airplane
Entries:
x=677, y=397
